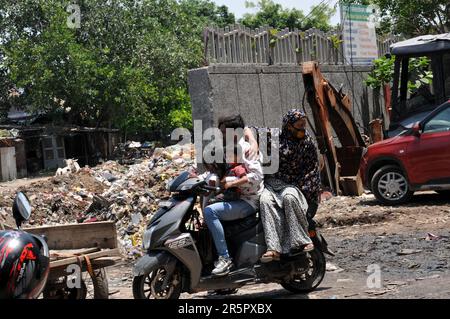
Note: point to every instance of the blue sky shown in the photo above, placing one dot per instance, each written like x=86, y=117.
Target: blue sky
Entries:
x=238, y=6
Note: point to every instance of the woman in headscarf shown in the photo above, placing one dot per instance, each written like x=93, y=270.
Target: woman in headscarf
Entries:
x=291, y=190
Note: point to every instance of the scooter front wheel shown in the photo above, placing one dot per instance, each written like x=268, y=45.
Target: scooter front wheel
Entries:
x=152, y=285
x=311, y=279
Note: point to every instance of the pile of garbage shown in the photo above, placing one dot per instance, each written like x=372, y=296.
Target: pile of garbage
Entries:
x=125, y=194
x=132, y=152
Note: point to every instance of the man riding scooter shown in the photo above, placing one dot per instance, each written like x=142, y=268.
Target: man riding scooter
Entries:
x=249, y=184
x=180, y=253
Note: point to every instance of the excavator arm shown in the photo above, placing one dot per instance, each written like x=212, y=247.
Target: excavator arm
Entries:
x=332, y=117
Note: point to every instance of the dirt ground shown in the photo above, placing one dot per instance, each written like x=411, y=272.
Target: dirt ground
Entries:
x=12, y=186
x=410, y=245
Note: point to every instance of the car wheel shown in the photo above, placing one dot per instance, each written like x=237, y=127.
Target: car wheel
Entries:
x=390, y=185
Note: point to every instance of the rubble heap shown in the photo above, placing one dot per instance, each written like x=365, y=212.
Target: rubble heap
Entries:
x=132, y=152
x=126, y=194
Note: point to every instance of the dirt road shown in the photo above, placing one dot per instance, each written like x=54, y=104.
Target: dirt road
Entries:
x=409, y=245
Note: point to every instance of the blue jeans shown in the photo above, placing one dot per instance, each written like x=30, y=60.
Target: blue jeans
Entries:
x=216, y=212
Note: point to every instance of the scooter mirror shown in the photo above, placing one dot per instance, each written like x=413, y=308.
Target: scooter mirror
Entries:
x=21, y=209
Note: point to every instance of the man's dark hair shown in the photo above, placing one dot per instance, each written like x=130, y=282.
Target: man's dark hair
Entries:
x=232, y=121
x=219, y=168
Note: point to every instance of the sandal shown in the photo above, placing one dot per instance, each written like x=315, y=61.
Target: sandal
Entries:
x=308, y=247
x=303, y=249
x=269, y=256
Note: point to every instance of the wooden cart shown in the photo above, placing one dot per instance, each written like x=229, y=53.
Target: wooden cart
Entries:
x=89, y=247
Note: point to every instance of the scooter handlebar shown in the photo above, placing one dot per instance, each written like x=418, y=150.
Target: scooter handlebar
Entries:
x=212, y=188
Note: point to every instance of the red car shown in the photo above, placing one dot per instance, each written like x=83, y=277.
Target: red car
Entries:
x=416, y=159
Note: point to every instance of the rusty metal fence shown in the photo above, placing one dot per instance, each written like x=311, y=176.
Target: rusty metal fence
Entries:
x=239, y=44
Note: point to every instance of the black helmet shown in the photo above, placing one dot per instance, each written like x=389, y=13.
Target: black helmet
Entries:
x=24, y=264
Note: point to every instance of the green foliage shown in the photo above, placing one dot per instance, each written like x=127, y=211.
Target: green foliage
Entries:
x=208, y=12
x=125, y=66
x=274, y=15
x=319, y=18
x=420, y=73
x=336, y=41
x=273, y=37
x=4, y=94
x=416, y=17
x=181, y=116
x=411, y=17
x=382, y=73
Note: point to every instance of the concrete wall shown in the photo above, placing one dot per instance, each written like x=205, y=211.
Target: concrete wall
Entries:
x=8, y=170
x=21, y=158
x=262, y=93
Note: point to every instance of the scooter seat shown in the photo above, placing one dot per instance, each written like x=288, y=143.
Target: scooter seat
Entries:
x=238, y=226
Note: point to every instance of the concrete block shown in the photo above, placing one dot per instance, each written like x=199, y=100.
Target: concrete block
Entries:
x=249, y=97
x=270, y=100
x=262, y=93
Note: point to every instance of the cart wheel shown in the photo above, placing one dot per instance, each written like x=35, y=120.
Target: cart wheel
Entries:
x=56, y=292
x=97, y=285
x=92, y=287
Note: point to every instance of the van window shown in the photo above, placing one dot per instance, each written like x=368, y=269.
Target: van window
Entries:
x=420, y=84
x=447, y=74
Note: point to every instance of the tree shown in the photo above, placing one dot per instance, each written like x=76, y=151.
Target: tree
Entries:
x=125, y=66
x=4, y=94
x=224, y=17
x=416, y=17
x=319, y=17
x=411, y=17
x=274, y=15
x=208, y=12
x=383, y=73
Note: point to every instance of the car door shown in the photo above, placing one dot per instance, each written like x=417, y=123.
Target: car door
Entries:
x=429, y=154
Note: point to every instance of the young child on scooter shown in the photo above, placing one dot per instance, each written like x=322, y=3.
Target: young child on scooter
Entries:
x=235, y=171
x=212, y=176
x=223, y=173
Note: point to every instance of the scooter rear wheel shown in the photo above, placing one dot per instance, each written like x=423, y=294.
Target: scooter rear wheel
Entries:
x=310, y=280
x=149, y=286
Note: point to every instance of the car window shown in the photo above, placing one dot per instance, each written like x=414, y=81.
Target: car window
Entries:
x=439, y=123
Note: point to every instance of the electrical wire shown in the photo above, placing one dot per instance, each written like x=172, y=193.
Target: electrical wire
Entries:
x=315, y=8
